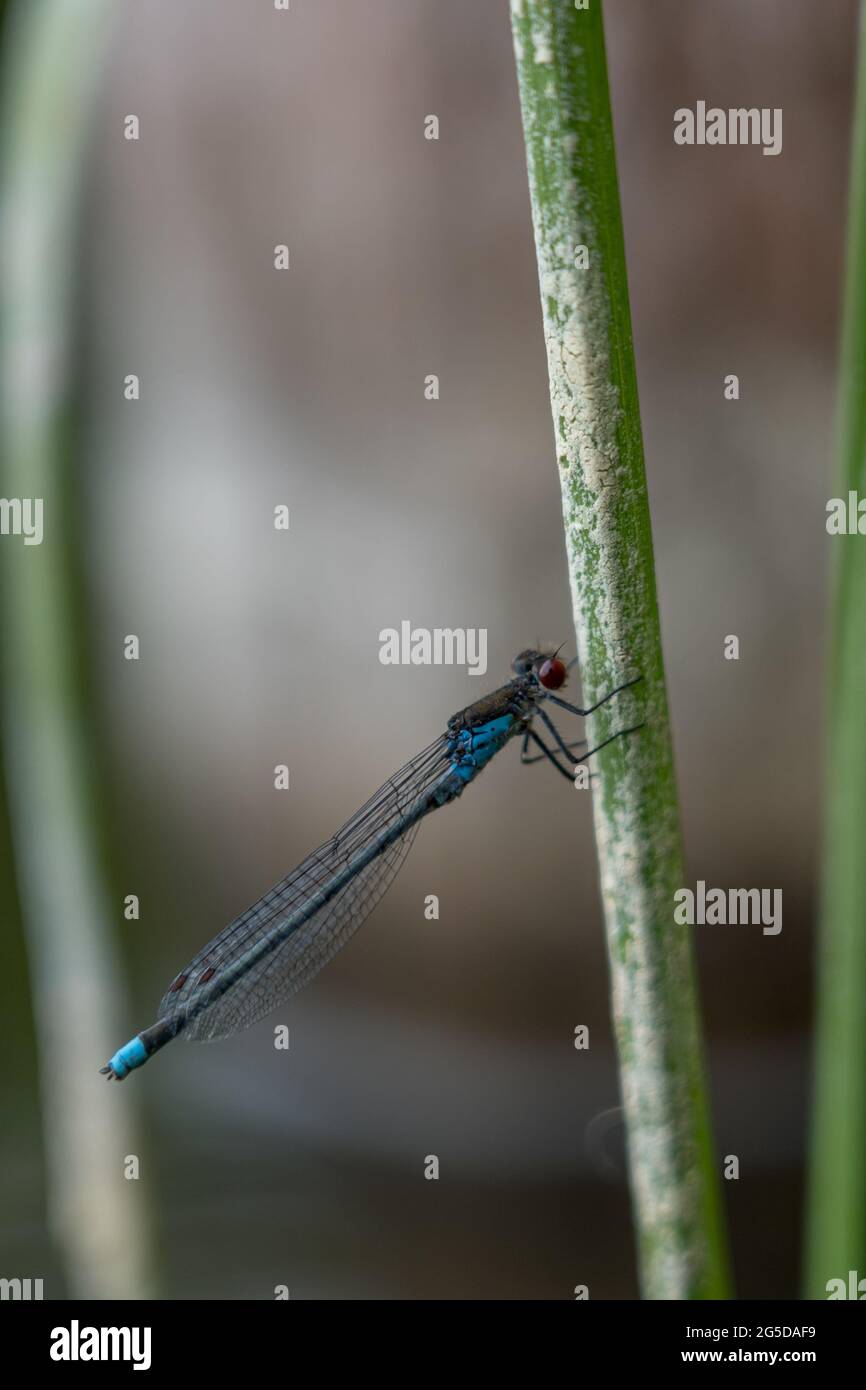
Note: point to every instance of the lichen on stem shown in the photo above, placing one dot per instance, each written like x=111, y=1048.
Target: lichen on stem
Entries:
x=574, y=195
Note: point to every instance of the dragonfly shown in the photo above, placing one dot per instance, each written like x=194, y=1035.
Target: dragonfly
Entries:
x=274, y=948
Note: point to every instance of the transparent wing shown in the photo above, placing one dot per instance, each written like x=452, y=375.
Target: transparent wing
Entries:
x=277, y=976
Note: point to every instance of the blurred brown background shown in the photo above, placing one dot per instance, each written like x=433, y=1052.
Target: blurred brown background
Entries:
x=410, y=257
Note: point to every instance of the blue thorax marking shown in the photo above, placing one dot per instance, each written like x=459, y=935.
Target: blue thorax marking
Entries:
x=472, y=749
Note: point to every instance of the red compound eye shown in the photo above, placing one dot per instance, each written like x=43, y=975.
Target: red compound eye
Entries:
x=552, y=673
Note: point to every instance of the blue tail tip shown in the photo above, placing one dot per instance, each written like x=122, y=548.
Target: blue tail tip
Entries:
x=125, y=1060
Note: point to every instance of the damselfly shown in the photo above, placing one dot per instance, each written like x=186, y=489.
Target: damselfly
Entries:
x=284, y=939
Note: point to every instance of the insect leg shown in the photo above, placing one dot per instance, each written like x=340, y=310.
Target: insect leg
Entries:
x=575, y=709
x=548, y=722
x=548, y=753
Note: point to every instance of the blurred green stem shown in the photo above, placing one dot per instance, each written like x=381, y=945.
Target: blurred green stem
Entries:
x=836, y=1233
x=52, y=61
x=574, y=194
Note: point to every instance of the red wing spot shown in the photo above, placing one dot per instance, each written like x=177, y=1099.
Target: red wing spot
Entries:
x=203, y=979
x=178, y=984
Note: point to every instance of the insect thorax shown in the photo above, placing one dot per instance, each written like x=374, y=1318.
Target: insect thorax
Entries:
x=517, y=698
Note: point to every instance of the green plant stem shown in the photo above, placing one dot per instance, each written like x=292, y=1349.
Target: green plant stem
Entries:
x=52, y=61
x=574, y=194
x=836, y=1222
